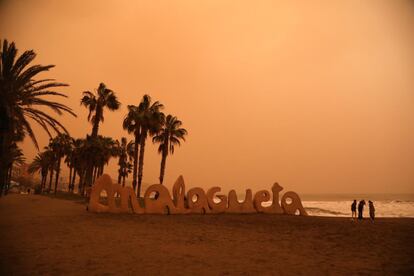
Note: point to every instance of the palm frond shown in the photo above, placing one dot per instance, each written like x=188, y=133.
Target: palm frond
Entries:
x=21, y=93
x=29, y=73
x=22, y=62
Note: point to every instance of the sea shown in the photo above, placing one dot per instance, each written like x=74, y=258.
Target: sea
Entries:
x=339, y=205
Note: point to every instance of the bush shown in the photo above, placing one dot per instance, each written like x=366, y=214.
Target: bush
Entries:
x=25, y=182
x=38, y=189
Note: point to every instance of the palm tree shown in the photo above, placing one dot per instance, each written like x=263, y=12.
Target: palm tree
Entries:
x=131, y=124
x=126, y=171
x=60, y=145
x=69, y=161
x=96, y=102
x=51, y=156
x=170, y=135
x=40, y=164
x=151, y=121
x=106, y=150
x=143, y=120
x=125, y=151
x=20, y=97
x=14, y=156
x=80, y=163
x=121, y=153
x=91, y=152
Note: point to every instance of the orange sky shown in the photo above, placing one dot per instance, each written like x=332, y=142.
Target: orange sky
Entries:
x=317, y=95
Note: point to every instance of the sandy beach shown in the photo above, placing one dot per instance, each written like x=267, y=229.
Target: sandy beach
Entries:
x=46, y=236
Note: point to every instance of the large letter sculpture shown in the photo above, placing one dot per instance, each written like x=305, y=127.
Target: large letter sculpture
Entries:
x=219, y=207
x=236, y=207
x=127, y=195
x=161, y=203
x=200, y=204
x=157, y=200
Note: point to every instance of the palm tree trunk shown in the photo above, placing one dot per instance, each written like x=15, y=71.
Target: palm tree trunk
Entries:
x=95, y=127
x=89, y=174
x=50, y=179
x=70, y=176
x=94, y=135
x=120, y=170
x=4, y=144
x=164, y=159
x=9, y=173
x=2, y=179
x=141, y=161
x=2, y=175
x=95, y=172
x=74, y=179
x=162, y=169
x=57, y=173
x=123, y=180
x=85, y=183
x=101, y=170
x=42, y=183
x=119, y=177
x=44, y=179
x=134, y=174
x=81, y=184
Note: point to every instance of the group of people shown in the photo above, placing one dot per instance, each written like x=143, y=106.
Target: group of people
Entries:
x=361, y=205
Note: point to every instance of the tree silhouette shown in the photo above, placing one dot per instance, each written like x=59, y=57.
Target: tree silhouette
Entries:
x=142, y=120
x=60, y=145
x=96, y=103
x=125, y=152
x=41, y=163
x=169, y=136
x=20, y=98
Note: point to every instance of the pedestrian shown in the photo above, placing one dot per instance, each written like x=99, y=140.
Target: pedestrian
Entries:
x=353, y=209
x=371, y=210
x=361, y=205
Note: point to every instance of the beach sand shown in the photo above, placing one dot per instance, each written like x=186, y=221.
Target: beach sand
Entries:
x=42, y=235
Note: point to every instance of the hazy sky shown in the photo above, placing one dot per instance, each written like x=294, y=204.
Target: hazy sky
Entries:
x=317, y=95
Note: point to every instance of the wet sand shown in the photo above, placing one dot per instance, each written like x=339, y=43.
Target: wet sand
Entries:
x=40, y=235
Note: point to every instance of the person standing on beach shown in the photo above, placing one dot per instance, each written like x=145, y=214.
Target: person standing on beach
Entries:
x=361, y=205
x=353, y=209
x=371, y=210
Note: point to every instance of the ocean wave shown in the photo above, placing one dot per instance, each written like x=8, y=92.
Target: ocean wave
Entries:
x=402, y=201
x=324, y=211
